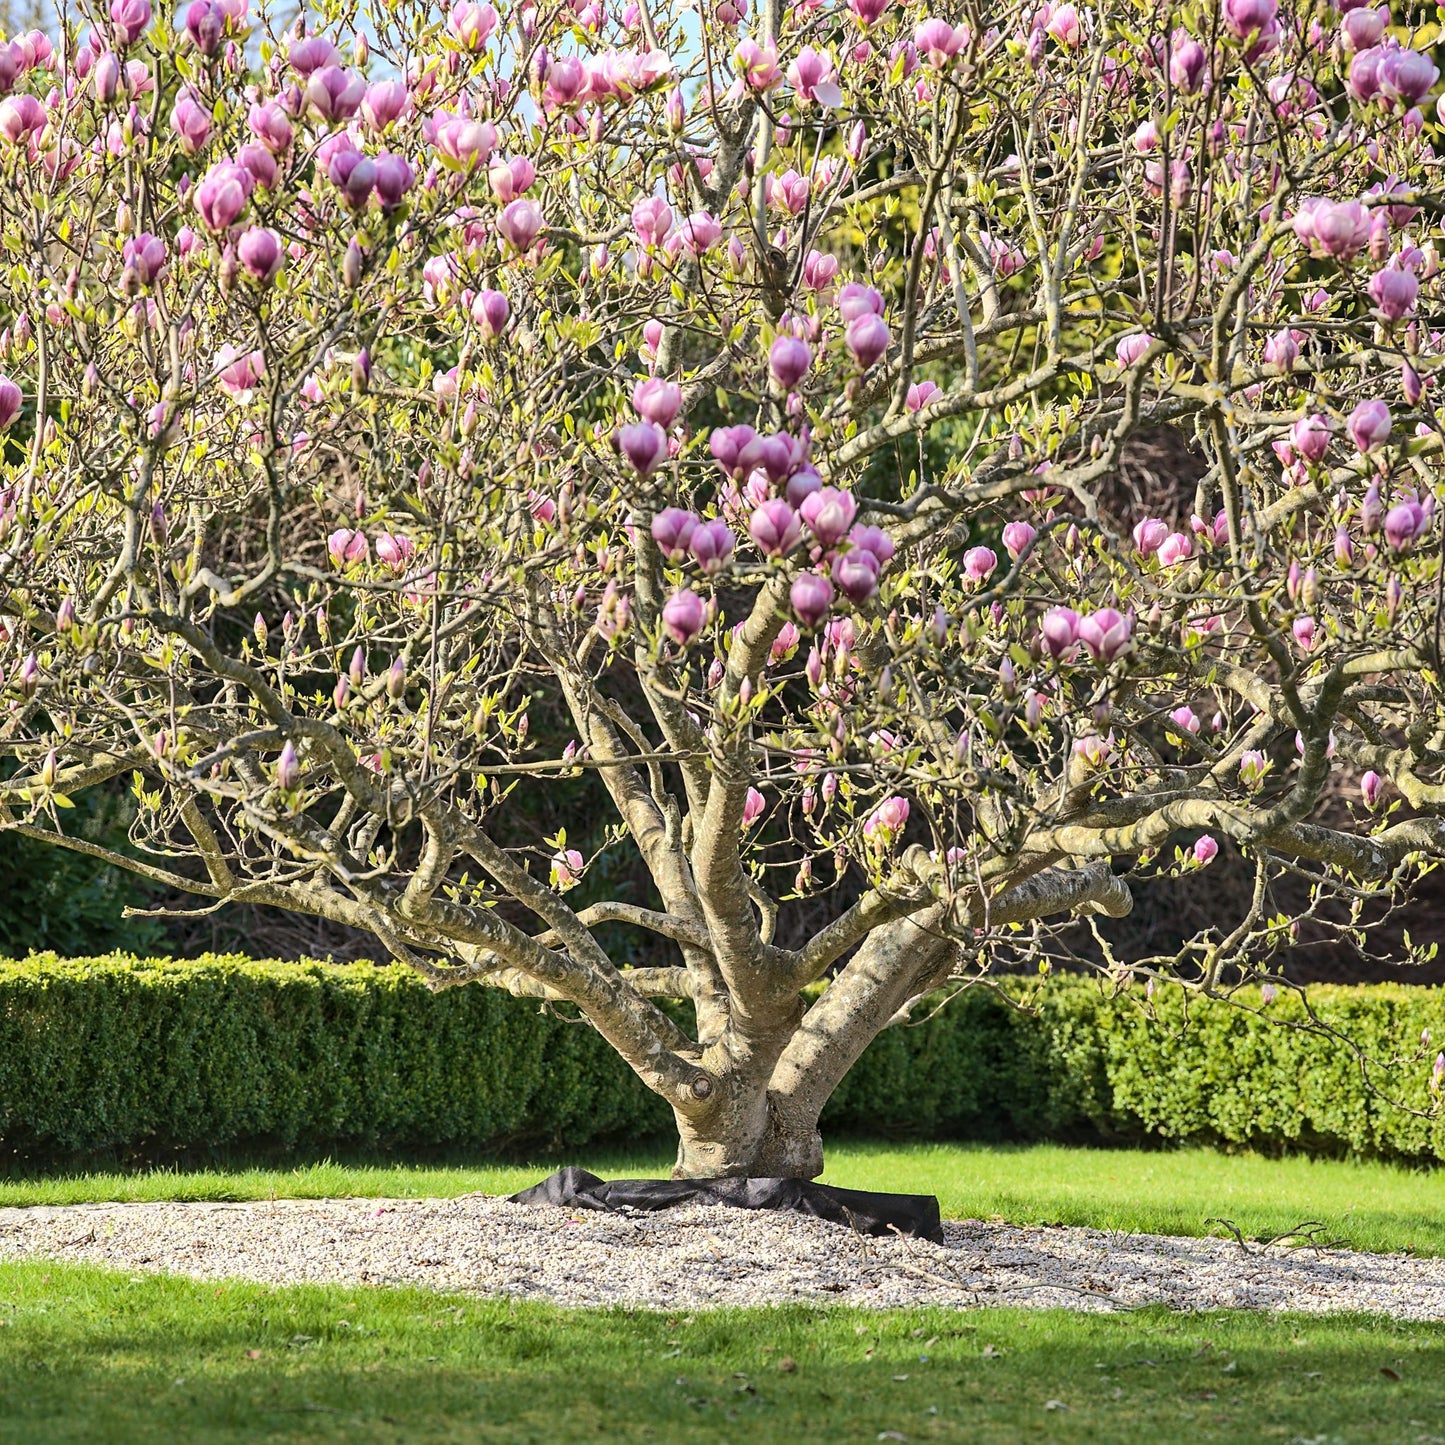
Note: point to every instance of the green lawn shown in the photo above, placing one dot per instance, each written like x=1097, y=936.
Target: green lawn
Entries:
x=1368, y=1205
x=88, y=1355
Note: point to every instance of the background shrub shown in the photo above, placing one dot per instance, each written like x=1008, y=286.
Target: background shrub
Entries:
x=145, y=1055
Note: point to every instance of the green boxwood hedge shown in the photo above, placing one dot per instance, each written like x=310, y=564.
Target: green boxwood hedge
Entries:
x=144, y=1055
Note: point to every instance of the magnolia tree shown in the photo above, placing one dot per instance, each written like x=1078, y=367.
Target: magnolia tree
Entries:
x=744, y=385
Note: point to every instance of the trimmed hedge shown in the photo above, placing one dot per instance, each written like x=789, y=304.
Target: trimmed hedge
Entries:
x=126, y=1054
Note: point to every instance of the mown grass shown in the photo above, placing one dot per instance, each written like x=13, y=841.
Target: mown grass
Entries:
x=1370, y=1206
x=90, y=1355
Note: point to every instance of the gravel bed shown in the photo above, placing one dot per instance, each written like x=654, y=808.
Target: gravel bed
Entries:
x=703, y=1256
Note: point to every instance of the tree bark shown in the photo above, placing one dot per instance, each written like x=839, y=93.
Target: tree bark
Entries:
x=760, y=1139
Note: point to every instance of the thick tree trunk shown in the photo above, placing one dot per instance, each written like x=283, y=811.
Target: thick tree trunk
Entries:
x=750, y=1137
x=769, y=1129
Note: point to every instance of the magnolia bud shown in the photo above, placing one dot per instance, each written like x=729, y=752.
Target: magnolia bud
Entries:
x=351, y=264
x=49, y=770
x=288, y=767
x=396, y=679
x=65, y=615
x=1309, y=589
x=341, y=691
x=261, y=631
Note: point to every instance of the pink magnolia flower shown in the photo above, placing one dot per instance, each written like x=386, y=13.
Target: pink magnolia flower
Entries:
x=1394, y=292
x=887, y=821
x=311, y=53
x=815, y=78
x=1184, y=719
x=1247, y=19
x=874, y=540
x=1337, y=229
x=1064, y=26
x=1371, y=786
x=711, y=545
x=222, y=195
x=1369, y=425
x=1059, y=629
x=1106, y=633
x=775, y=527
x=734, y=448
x=463, y=144
x=1174, y=549
x=1306, y=633
x=672, y=530
x=270, y=125
x=396, y=551
x=788, y=361
x=651, y=221
x=131, y=18
x=811, y=596
x=656, y=400
x=979, y=563
x=698, y=233
x=1205, y=850
x=1310, y=437
x=920, y=394
x=511, y=178
x=1405, y=77
x=346, y=547
x=239, y=372
x=10, y=400
x=567, y=867
x=856, y=299
x=789, y=192
x=490, y=312
x=394, y=178
x=938, y=43
x=472, y=25
x=260, y=163
x=520, y=224
x=260, y=252
x=384, y=103
x=1405, y=524
x=754, y=805
x=856, y=574
x=867, y=337
x=191, y=122
x=868, y=12
x=288, y=767
x=1017, y=536
x=683, y=616
x=1253, y=765
x=22, y=117
x=829, y=512
x=334, y=93
x=1131, y=348
x=1188, y=64
x=144, y=257
x=567, y=82
x=1149, y=535
x=1281, y=351
x=644, y=444
x=757, y=65
x=1362, y=28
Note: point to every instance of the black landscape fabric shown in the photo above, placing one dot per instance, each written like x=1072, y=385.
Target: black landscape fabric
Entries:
x=915, y=1215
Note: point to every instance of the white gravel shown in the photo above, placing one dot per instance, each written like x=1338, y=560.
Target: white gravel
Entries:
x=703, y=1256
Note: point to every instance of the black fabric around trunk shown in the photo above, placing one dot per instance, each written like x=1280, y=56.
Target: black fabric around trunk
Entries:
x=915, y=1215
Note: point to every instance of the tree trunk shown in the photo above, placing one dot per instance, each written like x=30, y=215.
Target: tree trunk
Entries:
x=749, y=1137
